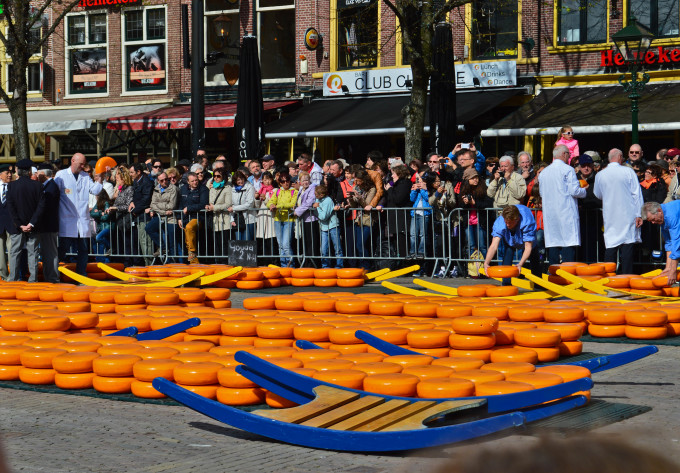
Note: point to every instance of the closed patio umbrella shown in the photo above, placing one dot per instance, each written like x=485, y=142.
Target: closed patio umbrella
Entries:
x=249, y=120
x=443, y=93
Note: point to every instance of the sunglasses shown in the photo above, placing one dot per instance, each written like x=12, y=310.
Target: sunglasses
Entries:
x=173, y=178
x=634, y=152
x=162, y=180
x=158, y=167
x=568, y=133
x=284, y=181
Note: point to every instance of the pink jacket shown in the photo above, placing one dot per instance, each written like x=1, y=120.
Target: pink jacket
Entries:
x=572, y=145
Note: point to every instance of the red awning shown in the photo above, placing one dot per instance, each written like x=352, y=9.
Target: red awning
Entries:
x=218, y=115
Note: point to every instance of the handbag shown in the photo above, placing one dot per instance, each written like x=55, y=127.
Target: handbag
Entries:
x=240, y=221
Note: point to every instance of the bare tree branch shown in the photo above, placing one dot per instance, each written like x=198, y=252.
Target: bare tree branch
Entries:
x=55, y=23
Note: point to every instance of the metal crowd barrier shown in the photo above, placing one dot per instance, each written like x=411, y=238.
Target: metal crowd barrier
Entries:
x=387, y=238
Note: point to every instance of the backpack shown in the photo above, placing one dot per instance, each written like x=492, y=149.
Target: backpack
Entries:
x=476, y=264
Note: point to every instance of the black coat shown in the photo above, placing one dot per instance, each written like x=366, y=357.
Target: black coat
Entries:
x=143, y=191
x=49, y=222
x=26, y=202
x=6, y=223
x=194, y=200
x=399, y=195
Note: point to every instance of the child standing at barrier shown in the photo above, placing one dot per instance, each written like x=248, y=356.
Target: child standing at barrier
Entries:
x=329, y=225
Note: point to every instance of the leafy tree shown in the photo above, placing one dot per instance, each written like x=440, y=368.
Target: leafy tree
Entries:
x=27, y=35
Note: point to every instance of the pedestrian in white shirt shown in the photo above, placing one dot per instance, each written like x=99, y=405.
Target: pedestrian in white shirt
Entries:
x=621, y=195
x=559, y=188
x=75, y=187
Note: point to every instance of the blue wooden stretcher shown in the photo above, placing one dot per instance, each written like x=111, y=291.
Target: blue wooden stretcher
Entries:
x=159, y=334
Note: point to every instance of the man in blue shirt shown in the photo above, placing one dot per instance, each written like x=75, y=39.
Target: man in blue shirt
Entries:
x=668, y=216
x=516, y=226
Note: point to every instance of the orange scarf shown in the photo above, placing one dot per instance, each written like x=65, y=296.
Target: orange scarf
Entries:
x=647, y=184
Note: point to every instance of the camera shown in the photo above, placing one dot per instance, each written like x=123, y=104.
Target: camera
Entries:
x=442, y=161
x=465, y=146
x=494, y=169
x=468, y=196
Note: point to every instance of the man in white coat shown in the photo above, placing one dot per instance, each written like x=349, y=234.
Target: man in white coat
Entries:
x=621, y=195
x=75, y=187
x=559, y=188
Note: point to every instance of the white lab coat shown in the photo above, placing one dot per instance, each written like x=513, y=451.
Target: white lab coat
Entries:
x=559, y=189
x=74, y=212
x=621, y=195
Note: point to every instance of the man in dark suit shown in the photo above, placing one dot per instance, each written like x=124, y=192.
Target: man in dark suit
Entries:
x=6, y=224
x=26, y=202
x=48, y=226
x=139, y=208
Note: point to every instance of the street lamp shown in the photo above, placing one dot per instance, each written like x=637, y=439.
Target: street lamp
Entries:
x=633, y=42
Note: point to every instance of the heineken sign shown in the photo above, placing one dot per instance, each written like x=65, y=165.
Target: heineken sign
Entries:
x=658, y=55
x=105, y=3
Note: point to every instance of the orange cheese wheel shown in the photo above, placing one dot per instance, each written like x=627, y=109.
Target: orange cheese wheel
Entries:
x=475, y=290
x=537, y=337
x=378, y=367
x=39, y=358
x=319, y=305
x=570, y=348
x=388, y=308
x=10, y=372
x=472, y=342
x=156, y=353
x=434, y=388
x=240, y=396
x=161, y=298
x=546, y=354
x=568, y=331
x=325, y=282
x=13, y=340
x=208, y=326
x=277, y=402
x=392, y=334
x=429, y=371
x=645, y=333
x=509, y=367
x=312, y=332
x=493, y=388
x=479, y=376
x=673, y=329
x=393, y=384
x=46, y=334
x=51, y=295
x=229, y=340
x=536, y=379
x=289, y=303
x=566, y=372
x=45, y=343
x=208, y=391
x=641, y=283
x=74, y=380
x=191, y=347
x=498, y=311
x=345, y=335
x=352, y=306
x=409, y=360
x=191, y=295
x=501, y=291
x=358, y=282
x=78, y=362
x=618, y=282
x=607, y=316
x=276, y=329
x=563, y=314
x=304, y=273
x=285, y=362
x=525, y=355
x=671, y=310
x=197, y=374
x=39, y=324
x=113, y=385
x=128, y=308
x=195, y=357
x=503, y=272
x=145, y=390
x=332, y=364
x=315, y=354
x=459, y=363
x=646, y=318
x=350, y=273
x=254, y=303
x=274, y=342
x=660, y=281
x=130, y=298
x=474, y=325
x=594, y=269
x=229, y=378
x=326, y=273
x=302, y=282
x=420, y=309
x=526, y=314
x=607, y=331
x=120, y=349
x=10, y=354
x=272, y=352
x=363, y=357
x=37, y=375
x=148, y=369
x=81, y=320
x=27, y=294
x=484, y=355
x=432, y=338
x=115, y=365
x=454, y=310
x=349, y=378
x=505, y=336
x=250, y=285
x=240, y=327
x=102, y=297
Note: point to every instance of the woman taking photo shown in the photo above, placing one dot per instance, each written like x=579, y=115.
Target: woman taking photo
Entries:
x=473, y=200
x=264, y=227
x=219, y=201
x=122, y=197
x=360, y=198
x=242, y=201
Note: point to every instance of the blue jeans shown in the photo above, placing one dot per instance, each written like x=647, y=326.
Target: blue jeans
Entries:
x=419, y=229
x=334, y=235
x=247, y=234
x=284, y=234
x=362, y=237
x=476, y=239
x=508, y=258
x=102, y=244
x=81, y=248
x=160, y=232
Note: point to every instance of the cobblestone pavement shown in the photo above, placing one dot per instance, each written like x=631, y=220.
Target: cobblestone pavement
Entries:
x=58, y=433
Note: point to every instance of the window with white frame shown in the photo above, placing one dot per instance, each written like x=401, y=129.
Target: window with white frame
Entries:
x=86, y=53
x=276, y=24
x=144, y=49
x=34, y=70
x=222, y=40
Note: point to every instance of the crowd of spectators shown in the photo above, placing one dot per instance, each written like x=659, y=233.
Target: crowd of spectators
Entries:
x=383, y=213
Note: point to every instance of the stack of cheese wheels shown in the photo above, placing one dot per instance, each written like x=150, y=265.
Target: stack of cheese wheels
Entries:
x=114, y=372
x=144, y=372
x=647, y=324
x=673, y=313
x=74, y=369
x=37, y=364
x=545, y=342
x=607, y=322
x=473, y=336
x=11, y=348
x=199, y=377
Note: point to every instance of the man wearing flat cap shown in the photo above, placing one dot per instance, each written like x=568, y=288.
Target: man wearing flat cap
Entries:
x=6, y=225
x=26, y=203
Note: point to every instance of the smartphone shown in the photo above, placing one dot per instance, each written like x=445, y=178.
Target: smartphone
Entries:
x=465, y=145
